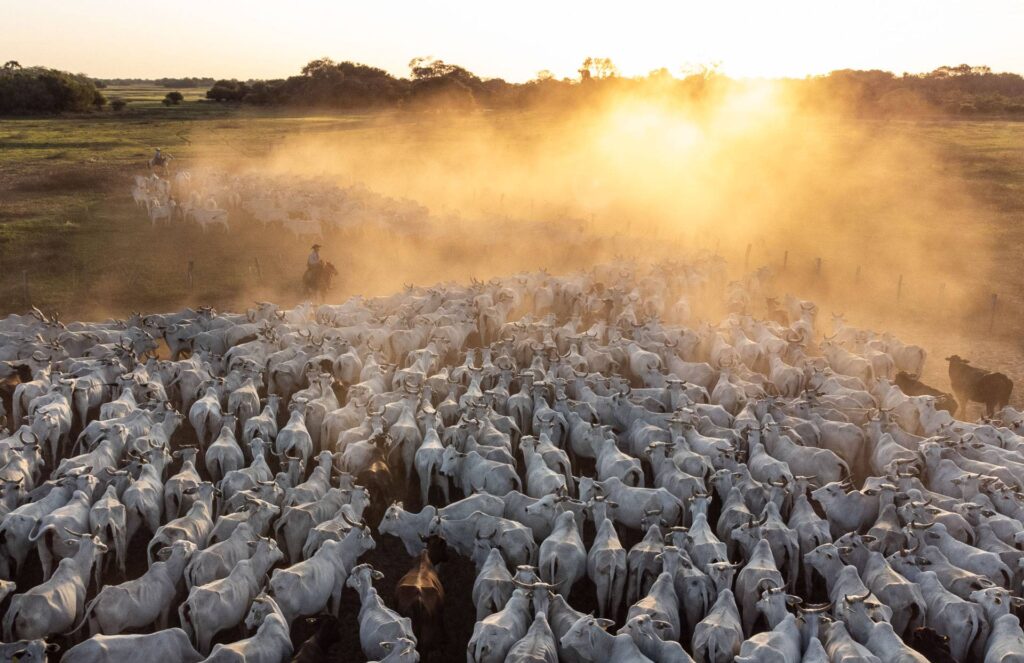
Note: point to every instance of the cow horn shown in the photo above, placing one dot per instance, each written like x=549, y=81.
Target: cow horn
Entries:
x=816, y=607
x=345, y=517
x=853, y=598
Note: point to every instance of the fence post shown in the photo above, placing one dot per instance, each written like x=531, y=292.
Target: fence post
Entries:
x=992, y=314
x=746, y=258
x=817, y=267
x=785, y=260
x=856, y=277
x=259, y=272
x=24, y=287
x=190, y=277
x=899, y=288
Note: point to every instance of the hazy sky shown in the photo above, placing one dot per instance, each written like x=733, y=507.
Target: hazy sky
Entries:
x=514, y=40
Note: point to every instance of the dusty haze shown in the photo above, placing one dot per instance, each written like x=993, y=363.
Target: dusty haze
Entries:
x=643, y=178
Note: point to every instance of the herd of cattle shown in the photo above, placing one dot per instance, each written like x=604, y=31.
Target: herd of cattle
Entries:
x=305, y=207
x=752, y=490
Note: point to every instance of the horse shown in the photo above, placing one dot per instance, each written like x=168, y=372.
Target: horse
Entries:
x=319, y=280
x=161, y=162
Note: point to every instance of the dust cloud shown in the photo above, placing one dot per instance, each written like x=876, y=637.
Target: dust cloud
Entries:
x=648, y=178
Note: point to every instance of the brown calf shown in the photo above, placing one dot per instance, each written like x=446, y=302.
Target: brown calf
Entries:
x=419, y=596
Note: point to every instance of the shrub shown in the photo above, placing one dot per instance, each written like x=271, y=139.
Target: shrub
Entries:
x=118, y=104
x=173, y=98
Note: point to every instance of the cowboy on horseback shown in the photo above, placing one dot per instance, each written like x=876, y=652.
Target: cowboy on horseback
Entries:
x=313, y=265
x=160, y=160
x=319, y=274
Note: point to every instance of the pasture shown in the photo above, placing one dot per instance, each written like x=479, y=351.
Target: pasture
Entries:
x=71, y=239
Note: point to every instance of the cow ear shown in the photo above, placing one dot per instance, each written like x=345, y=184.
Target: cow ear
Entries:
x=387, y=646
x=662, y=625
x=52, y=647
x=604, y=623
x=377, y=575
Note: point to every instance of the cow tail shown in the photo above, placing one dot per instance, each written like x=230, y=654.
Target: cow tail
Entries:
x=420, y=618
x=10, y=617
x=16, y=408
x=496, y=599
x=976, y=632
x=150, y=549
x=85, y=616
x=915, y=615
x=185, y=614
x=189, y=574
x=37, y=532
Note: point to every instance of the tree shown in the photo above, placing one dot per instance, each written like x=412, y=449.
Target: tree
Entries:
x=597, y=68
x=118, y=105
x=318, y=67
x=225, y=90
x=12, y=65
x=430, y=67
x=173, y=98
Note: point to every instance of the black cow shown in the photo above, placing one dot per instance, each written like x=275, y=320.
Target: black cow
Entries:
x=976, y=384
x=933, y=646
x=911, y=386
x=318, y=647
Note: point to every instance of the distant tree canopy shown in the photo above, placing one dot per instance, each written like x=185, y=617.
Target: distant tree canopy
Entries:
x=32, y=90
x=956, y=90
x=186, y=82
x=436, y=84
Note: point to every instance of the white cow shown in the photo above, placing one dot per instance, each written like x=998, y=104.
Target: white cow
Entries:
x=141, y=602
x=52, y=607
x=563, y=558
x=305, y=588
x=223, y=603
x=377, y=622
x=166, y=646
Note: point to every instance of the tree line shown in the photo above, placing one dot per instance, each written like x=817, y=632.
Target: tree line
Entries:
x=433, y=83
x=186, y=82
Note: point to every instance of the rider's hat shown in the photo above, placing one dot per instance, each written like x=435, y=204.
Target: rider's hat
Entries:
x=316, y=246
